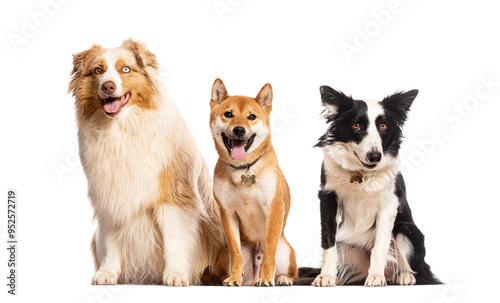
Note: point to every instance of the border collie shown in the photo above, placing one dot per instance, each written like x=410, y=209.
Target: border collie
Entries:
x=368, y=233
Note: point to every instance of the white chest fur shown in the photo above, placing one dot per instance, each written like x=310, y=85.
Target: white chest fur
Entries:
x=360, y=204
x=122, y=159
x=250, y=202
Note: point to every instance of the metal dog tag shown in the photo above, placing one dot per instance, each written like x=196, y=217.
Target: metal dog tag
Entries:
x=247, y=179
x=356, y=177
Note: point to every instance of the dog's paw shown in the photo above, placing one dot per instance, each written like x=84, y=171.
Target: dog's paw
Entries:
x=375, y=280
x=233, y=281
x=406, y=278
x=284, y=281
x=265, y=282
x=324, y=281
x=105, y=278
x=175, y=279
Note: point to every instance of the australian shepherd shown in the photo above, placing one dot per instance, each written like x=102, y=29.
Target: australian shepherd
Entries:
x=147, y=181
x=368, y=233
x=251, y=191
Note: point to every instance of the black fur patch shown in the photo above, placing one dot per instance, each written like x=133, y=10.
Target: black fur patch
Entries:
x=328, y=209
x=396, y=108
x=405, y=225
x=398, y=105
x=348, y=112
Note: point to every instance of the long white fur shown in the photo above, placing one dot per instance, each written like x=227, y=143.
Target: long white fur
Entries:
x=179, y=242
x=122, y=158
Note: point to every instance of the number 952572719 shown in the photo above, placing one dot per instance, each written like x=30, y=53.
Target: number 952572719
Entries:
x=11, y=214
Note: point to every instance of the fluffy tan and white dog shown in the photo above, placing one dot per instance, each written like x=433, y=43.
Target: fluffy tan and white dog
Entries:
x=147, y=181
x=251, y=191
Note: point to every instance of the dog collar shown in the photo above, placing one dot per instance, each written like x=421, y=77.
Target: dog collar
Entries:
x=246, y=178
x=246, y=166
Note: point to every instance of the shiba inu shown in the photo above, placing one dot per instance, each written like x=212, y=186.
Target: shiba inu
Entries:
x=147, y=181
x=368, y=232
x=251, y=191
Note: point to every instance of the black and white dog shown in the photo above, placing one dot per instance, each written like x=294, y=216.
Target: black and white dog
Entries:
x=368, y=233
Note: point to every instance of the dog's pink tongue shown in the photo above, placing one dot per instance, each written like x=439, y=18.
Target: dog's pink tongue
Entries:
x=112, y=107
x=238, y=151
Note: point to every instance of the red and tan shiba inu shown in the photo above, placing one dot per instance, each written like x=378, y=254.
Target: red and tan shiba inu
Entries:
x=149, y=186
x=251, y=191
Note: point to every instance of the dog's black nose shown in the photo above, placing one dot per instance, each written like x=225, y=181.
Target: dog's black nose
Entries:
x=239, y=131
x=374, y=157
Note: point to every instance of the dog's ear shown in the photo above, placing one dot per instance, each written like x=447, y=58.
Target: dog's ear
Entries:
x=219, y=93
x=81, y=66
x=142, y=55
x=398, y=105
x=82, y=59
x=265, y=97
x=334, y=101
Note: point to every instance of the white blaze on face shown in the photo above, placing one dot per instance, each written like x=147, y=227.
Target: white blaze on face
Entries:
x=372, y=142
x=111, y=74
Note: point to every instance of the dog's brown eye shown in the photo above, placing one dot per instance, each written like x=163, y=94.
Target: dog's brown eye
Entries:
x=228, y=115
x=252, y=117
x=383, y=126
x=356, y=126
x=97, y=70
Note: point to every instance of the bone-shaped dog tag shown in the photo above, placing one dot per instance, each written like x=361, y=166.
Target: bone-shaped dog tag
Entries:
x=247, y=179
x=356, y=177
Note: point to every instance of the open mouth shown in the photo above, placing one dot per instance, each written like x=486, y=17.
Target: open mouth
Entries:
x=369, y=166
x=112, y=106
x=237, y=148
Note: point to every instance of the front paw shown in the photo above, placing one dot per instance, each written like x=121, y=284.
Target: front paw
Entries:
x=105, y=278
x=235, y=280
x=324, y=281
x=284, y=281
x=175, y=279
x=406, y=278
x=265, y=282
x=375, y=280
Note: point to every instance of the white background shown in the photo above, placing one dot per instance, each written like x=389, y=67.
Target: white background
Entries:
x=443, y=48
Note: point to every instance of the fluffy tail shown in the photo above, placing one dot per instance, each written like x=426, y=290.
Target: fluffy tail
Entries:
x=424, y=275
x=306, y=275
x=210, y=278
